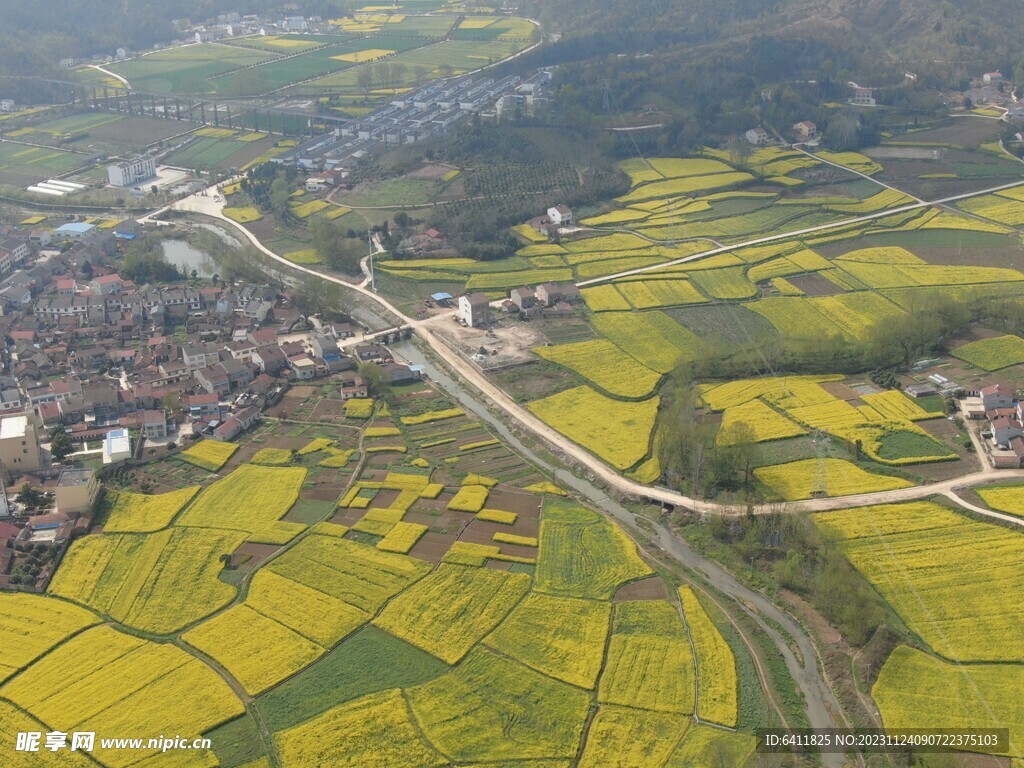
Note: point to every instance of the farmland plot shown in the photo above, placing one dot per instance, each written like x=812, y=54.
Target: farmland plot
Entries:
x=448, y=612
x=606, y=366
x=630, y=738
x=128, y=685
x=584, y=555
x=916, y=690
x=140, y=513
x=717, y=685
x=490, y=708
x=33, y=624
x=157, y=582
x=652, y=338
x=949, y=578
x=622, y=434
x=797, y=479
x=561, y=637
x=650, y=663
x=251, y=499
x=993, y=354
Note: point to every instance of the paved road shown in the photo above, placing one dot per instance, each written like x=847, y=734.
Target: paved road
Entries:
x=114, y=75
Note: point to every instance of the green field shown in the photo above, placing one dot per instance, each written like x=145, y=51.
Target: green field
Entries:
x=187, y=69
x=206, y=152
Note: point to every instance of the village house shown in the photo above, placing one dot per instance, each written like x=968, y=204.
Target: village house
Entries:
x=863, y=97
x=524, y=298
x=805, y=131
x=757, y=136
x=203, y=407
x=549, y=294
x=154, y=424
x=237, y=424
x=474, y=310
x=560, y=215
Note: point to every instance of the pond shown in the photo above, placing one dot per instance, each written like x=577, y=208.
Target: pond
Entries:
x=185, y=257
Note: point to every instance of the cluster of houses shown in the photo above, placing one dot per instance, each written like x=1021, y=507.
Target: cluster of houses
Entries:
x=1004, y=437
x=416, y=115
x=546, y=300
x=90, y=351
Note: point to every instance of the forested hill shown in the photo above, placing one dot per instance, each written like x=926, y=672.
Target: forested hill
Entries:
x=922, y=31
x=717, y=67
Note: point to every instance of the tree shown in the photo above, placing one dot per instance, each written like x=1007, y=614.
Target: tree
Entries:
x=376, y=380
x=315, y=295
x=61, y=446
x=30, y=496
x=280, y=195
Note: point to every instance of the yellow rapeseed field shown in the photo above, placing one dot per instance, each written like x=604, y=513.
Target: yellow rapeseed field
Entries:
x=32, y=624
x=374, y=730
x=157, y=582
x=650, y=663
x=12, y=722
x=317, y=616
x=797, y=479
x=491, y=709
x=993, y=354
x=617, y=432
x=758, y=421
x=704, y=745
x=112, y=683
x=604, y=364
x=560, y=636
x=252, y=499
x=355, y=573
x=949, y=578
x=243, y=215
x=359, y=407
x=272, y=457
x=432, y=416
x=582, y=554
x=652, y=338
x=470, y=498
x=893, y=404
x=717, y=686
x=256, y=650
x=626, y=736
x=917, y=690
x=141, y=513
x=603, y=298
x=1004, y=498
x=497, y=516
x=452, y=609
x=402, y=537
x=209, y=454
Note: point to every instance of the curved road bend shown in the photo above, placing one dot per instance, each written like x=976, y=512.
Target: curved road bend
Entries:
x=206, y=205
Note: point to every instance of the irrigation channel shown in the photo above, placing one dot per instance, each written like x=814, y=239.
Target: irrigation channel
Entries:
x=820, y=704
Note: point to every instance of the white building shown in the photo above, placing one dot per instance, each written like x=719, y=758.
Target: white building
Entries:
x=19, y=444
x=117, y=446
x=560, y=215
x=132, y=171
x=757, y=136
x=6, y=105
x=863, y=97
x=474, y=309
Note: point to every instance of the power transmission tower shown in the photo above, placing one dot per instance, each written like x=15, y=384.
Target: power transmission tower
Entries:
x=373, y=276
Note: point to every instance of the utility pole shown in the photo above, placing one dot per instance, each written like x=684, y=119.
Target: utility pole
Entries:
x=373, y=275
